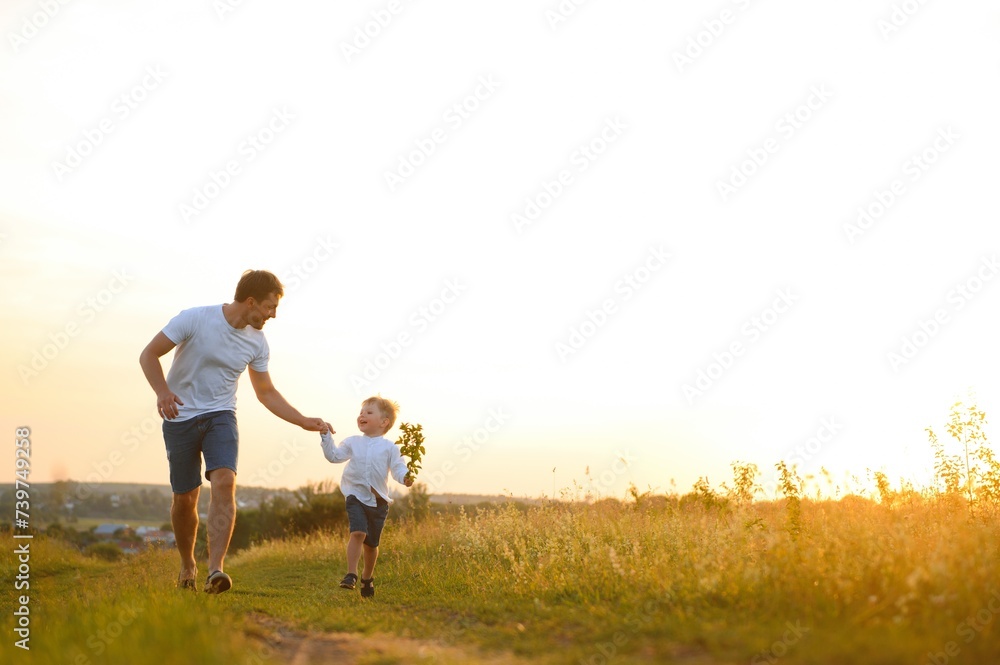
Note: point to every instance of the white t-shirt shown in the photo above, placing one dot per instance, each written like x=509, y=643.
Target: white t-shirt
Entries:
x=209, y=359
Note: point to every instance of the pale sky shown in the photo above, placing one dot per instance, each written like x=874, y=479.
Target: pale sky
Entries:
x=559, y=242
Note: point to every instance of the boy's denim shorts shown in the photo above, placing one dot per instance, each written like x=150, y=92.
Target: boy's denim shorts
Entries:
x=214, y=435
x=365, y=518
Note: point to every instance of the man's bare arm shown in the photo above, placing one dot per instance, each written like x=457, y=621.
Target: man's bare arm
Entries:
x=269, y=396
x=149, y=360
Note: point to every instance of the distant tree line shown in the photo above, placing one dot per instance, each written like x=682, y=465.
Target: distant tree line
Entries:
x=312, y=508
x=309, y=509
x=68, y=500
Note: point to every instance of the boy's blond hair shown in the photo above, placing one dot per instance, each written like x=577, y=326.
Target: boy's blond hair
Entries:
x=388, y=408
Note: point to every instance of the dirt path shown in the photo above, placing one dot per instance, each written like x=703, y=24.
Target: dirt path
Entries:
x=276, y=642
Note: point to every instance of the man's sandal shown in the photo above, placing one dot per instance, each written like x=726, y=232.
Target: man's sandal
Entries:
x=349, y=581
x=218, y=582
x=368, y=588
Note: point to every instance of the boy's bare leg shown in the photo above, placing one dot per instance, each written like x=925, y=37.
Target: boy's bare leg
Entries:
x=221, y=516
x=371, y=554
x=184, y=520
x=354, y=545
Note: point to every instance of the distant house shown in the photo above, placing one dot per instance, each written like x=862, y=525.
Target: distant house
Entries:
x=129, y=547
x=107, y=531
x=156, y=537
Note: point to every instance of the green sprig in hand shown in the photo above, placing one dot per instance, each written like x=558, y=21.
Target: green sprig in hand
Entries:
x=411, y=445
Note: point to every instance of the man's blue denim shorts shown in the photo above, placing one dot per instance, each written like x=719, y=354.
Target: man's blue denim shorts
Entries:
x=365, y=518
x=214, y=435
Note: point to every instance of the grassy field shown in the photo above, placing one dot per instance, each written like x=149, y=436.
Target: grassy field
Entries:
x=850, y=581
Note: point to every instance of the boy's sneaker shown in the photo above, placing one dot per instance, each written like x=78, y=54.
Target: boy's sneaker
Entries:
x=368, y=588
x=350, y=579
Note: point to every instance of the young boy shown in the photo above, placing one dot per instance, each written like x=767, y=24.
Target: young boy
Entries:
x=370, y=458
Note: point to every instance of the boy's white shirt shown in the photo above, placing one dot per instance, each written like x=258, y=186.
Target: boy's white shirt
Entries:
x=370, y=460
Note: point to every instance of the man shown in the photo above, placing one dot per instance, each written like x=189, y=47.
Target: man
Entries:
x=197, y=401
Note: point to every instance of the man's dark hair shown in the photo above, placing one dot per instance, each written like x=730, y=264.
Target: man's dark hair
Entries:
x=258, y=284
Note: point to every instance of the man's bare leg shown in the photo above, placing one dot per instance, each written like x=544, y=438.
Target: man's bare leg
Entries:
x=221, y=516
x=184, y=519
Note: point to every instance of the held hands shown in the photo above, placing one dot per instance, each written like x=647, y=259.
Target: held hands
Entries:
x=317, y=425
x=166, y=404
